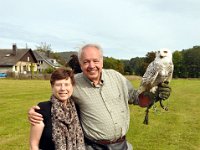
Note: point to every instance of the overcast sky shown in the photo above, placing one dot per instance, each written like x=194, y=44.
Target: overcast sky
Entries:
x=124, y=28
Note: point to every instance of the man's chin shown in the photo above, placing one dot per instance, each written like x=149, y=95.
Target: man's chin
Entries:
x=92, y=76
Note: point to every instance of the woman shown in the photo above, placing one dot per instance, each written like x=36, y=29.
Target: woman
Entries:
x=60, y=129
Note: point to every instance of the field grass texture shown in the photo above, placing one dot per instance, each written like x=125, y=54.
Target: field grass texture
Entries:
x=175, y=129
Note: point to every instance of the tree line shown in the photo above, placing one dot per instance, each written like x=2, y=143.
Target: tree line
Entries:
x=186, y=62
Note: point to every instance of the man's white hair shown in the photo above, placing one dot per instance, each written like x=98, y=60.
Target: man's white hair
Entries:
x=98, y=47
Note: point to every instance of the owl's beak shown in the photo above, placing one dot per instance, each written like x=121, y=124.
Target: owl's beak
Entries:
x=163, y=54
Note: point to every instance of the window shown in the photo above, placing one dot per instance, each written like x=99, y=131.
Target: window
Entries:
x=24, y=68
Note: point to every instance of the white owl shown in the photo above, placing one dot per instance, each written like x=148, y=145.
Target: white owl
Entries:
x=158, y=71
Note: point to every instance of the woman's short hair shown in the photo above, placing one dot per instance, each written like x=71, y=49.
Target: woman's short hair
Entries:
x=62, y=73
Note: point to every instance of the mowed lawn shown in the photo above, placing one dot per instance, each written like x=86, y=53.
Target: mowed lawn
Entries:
x=176, y=129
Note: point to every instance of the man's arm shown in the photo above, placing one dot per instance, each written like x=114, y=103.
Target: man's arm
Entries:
x=163, y=92
x=144, y=99
x=34, y=117
x=133, y=97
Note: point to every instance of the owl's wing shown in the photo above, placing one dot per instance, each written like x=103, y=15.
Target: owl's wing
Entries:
x=170, y=72
x=150, y=75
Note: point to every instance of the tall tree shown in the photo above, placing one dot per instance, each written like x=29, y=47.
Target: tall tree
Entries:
x=137, y=64
x=178, y=64
x=128, y=70
x=192, y=61
x=112, y=63
x=44, y=47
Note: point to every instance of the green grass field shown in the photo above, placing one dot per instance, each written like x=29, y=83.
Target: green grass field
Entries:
x=176, y=129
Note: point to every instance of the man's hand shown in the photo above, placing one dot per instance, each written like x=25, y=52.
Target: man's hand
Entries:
x=164, y=91
x=34, y=117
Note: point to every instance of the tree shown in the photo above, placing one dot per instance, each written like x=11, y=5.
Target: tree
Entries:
x=49, y=70
x=140, y=64
x=112, y=63
x=192, y=62
x=150, y=56
x=44, y=47
x=137, y=64
x=178, y=64
x=128, y=70
x=73, y=63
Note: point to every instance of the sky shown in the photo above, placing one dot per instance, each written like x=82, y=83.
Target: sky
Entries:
x=125, y=29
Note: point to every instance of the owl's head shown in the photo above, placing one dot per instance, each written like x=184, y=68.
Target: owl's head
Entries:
x=164, y=52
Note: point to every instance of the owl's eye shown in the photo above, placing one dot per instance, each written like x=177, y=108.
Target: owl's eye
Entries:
x=165, y=51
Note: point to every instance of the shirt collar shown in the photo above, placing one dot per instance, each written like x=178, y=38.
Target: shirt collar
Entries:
x=92, y=83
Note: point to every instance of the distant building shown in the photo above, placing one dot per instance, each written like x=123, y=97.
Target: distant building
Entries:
x=44, y=62
x=19, y=61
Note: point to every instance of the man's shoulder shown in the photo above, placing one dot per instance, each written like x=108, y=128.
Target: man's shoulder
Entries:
x=78, y=75
x=80, y=80
x=112, y=75
x=111, y=72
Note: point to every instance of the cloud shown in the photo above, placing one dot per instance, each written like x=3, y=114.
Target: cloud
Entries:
x=124, y=28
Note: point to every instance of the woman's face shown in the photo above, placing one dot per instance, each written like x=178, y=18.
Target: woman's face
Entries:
x=62, y=89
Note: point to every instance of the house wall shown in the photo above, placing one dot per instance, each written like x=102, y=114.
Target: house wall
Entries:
x=20, y=67
x=5, y=69
x=25, y=64
x=24, y=67
x=42, y=66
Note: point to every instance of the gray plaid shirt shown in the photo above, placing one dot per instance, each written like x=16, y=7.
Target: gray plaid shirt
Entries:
x=104, y=110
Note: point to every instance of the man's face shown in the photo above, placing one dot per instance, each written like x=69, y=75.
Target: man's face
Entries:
x=91, y=63
x=62, y=89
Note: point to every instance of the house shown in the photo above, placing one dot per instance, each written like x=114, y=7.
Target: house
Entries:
x=19, y=61
x=44, y=62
